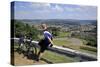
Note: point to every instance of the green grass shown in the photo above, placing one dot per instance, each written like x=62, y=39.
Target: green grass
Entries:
x=60, y=42
x=65, y=43
x=63, y=34
x=56, y=58
x=82, y=48
x=88, y=48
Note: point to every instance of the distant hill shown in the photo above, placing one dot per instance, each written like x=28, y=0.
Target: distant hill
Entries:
x=59, y=21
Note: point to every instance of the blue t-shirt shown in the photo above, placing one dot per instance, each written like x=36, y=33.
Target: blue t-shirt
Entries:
x=47, y=35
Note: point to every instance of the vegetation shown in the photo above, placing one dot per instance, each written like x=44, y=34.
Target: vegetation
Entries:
x=25, y=29
x=54, y=57
x=91, y=40
x=61, y=38
x=60, y=42
x=57, y=58
x=88, y=48
x=82, y=47
x=54, y=30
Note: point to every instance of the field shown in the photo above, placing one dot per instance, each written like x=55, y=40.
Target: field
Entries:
x=74, y=43
x=64, y=40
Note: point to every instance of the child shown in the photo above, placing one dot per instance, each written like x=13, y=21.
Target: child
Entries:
x=44, y=43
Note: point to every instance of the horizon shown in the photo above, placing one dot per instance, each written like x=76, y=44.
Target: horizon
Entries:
x=57, y=19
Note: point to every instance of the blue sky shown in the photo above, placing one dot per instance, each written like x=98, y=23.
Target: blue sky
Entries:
x=30, y=10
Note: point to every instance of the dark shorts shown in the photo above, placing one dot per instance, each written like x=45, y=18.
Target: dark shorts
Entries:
x=43, y=45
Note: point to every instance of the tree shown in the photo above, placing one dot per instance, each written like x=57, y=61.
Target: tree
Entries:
x=55, y=31
x=25, y=29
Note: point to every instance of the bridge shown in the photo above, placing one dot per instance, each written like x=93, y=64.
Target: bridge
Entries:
x=65, y=51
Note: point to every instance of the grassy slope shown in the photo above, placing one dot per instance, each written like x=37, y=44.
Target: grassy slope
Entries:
x=67, y=44
x=54, y=57
x=57, y=58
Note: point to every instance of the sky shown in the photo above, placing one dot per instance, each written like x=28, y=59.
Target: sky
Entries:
x=34, y=10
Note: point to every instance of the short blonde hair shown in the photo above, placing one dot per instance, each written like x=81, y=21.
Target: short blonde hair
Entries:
x=44, y=26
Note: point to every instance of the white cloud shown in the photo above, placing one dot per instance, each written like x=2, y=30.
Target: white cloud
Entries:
x=46, y=7
x=71, y=9
x=40, y=5
x=57, y=8
x=43, y=10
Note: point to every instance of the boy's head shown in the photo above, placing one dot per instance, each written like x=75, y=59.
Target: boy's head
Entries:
x=44, y=26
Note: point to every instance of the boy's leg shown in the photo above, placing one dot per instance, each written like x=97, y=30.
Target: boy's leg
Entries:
x=40, y=53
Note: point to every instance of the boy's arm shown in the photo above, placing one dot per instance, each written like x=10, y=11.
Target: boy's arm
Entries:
x=50, y=40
